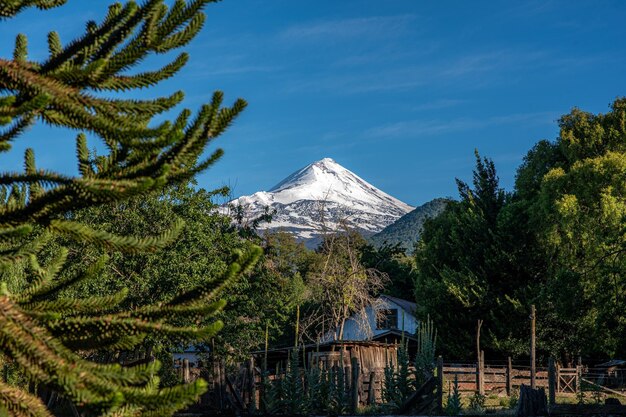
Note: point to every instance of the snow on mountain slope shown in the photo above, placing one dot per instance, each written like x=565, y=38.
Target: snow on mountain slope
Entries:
x=324, y=194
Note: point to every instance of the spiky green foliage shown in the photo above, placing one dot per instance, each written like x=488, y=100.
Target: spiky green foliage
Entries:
x=12, y=7
x=312, y=391
x=389, y=393
x=425, y=355
x=293, y=401
x=40, y=330
x=453, y=405
x=399, y=382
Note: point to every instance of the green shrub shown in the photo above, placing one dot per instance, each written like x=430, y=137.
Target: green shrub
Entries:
x=453, y=405
x=513, y=399
x=477, y=403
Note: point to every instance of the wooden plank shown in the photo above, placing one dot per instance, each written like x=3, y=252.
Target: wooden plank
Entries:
x=533, y=315
x=509, y=377
x=371, y=394
x=356, y=384
x=439, y=384
x=236, y=396
x=552, y=383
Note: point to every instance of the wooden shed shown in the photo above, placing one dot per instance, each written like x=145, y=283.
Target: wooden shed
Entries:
x=372, y=356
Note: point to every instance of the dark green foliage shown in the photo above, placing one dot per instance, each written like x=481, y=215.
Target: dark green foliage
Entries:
x=279, y=276
x=320, y=391
x=317, y=393
x=11, y=8
x=293, y=401
x=477, y=403
x=300, y=391
x=399, y=382
x=271, y=394
x=425, y=355
x=404, y=381
x=389, y=386
x=453, y=405
x=393, y=262
x=406, y=231
x=556, y=241
x=171, y=270
x=470, y=266
x=44, y=317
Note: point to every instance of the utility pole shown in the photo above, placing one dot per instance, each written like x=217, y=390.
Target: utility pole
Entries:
x=533, y=317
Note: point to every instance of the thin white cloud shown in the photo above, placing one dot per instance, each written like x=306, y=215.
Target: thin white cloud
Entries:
x=233, y=70
x=481, y=68
x=347, y=28
x=418, y=128
x=438, y=104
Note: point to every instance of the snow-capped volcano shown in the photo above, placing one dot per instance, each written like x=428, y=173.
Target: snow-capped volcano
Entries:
x=319, y=197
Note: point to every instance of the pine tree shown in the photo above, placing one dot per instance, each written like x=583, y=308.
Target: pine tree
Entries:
x=40, y=331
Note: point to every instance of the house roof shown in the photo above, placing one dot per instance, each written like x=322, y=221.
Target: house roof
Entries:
x=406, y=305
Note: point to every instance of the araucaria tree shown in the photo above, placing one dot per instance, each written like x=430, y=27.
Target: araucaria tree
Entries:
x=41, y=330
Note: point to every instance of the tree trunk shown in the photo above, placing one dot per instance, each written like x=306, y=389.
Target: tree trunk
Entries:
x=343, y=322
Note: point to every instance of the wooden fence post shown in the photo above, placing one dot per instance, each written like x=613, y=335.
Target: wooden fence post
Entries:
x=479, y=374
x=222, y=366
x=252, y=405
x=533, y=371
x=481, y=386
x=216, y=381
x=558, y=377
x=439, y=384
x=509, y=377
x=186, y=375
x=551, y=382
x=356, y=384
x=371, y=395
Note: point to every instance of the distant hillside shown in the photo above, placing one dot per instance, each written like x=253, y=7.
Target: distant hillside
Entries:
x=407, y=229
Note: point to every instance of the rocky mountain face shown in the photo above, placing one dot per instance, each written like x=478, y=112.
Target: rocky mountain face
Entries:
x=407, y=229
x=323, y=196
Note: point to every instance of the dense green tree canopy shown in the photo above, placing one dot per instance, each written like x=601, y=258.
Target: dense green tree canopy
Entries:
x=468, y=271
x=557, y=241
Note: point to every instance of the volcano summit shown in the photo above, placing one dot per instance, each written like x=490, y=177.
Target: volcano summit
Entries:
x=322, y=196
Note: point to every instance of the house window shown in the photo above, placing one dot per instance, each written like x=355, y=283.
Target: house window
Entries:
x=387, y=319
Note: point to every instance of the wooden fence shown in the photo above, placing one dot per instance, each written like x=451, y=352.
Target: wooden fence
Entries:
x=240, y=390
x=506, y=378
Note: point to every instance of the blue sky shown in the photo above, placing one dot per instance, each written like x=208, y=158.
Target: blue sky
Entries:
x=398, y=91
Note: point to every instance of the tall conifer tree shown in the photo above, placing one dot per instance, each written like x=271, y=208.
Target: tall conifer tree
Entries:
x=40, y=331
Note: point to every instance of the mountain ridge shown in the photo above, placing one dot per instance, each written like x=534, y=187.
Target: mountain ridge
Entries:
x=407, y=229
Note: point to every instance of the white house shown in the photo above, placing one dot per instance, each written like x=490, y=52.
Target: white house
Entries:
x=387, y=320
